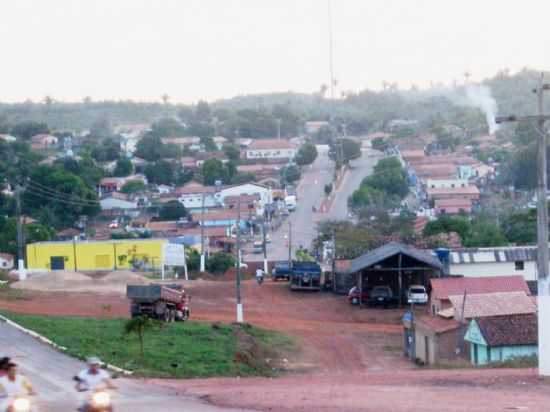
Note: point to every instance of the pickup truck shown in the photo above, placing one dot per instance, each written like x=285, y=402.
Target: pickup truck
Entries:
x=305, y=276
x=165, y=302
x=382, y=296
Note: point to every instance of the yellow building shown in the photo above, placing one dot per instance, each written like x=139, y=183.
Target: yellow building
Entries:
x=96, y=255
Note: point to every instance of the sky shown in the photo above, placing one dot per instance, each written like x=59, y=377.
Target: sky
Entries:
x=214, y=49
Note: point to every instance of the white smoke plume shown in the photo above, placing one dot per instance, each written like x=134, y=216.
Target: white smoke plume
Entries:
x=480, y=97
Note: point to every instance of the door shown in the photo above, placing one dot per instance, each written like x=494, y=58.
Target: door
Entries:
x=57, y=262
x=476, y=358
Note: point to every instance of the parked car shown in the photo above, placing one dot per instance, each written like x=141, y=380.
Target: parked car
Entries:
x=355, y=297
x=382, y=296
x=417, y=294
x=258, y=246
x=113, y=224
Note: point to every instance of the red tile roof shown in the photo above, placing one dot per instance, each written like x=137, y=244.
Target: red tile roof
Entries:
x=442, y=288
x=493, y=304
x=194, y=188
x=269, y=144
x=509, y=330
x=466, y=203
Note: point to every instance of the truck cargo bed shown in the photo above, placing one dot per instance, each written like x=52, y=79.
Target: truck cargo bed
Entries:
x=152, y=293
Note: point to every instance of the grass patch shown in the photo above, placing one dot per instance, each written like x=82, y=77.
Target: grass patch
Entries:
x=9, y=294
x=516, y=362
x=177, y=350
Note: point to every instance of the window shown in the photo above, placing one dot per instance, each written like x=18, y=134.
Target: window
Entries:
x=520, y=264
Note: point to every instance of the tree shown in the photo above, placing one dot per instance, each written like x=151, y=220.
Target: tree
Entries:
x=140, y=326
x=372, y=199
x=306, y=154
x=26, y=130
x=101, y=129
x=351, y=240
x=208, y=144
x=33, y=232
x=160, y=172
x=350, y=149
x=520, y=228
x=124, y=167
x=167, y=127
x=290, y=174
x=107, y=151
x=232, y=152
x=324, y=135
x=172, y=210
x=484, y=234
x=149, y=148
x=447, y=224
x=214, y=170
x=202, y=111
x=193, y=259
x=390, y=177
x=133, y=186
x=220, y=262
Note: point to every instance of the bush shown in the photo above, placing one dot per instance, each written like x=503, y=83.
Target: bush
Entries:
x=220, y=262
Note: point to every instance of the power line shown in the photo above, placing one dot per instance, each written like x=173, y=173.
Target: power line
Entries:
x=68, y=196
x=65, y=201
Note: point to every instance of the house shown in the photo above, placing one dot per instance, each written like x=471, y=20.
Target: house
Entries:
x=442, y=288
x=191, y=196
x=6, y=261
x=7, y=138
x=314, y=126
x=493, y=262
x=445, y=183
x=224, y=218
x=219, y=141
x=118, y=204
x=436, y=171
x=435, y=339
x=110, y=185
x=271, y=149
x=164, y=189
x=260, y=171
x=489, y=304
x=412, y=155
x=43, y=141
x=201, y=157
x=188, y=162
x=452, y=206
x=470, y=192
x=67, y=234
x=182, y=142
x=501, y=338
x=248, y=189
x=394, y=264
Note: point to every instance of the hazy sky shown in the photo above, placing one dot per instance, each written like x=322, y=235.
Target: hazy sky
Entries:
x=210, y=49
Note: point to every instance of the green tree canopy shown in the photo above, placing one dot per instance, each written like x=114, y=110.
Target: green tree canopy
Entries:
x=390, y=177
x=172, y=210
x=306, y=154
x=161, y=172
x=124, y=167
x=133, y=186
x=27, y=129
x=220, y=262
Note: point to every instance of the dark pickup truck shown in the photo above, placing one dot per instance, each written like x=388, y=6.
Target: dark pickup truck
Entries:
x=281, y=270
x=382, y=296
x=305, y=276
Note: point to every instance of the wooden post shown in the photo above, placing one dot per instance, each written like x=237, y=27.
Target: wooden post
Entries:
x=360, y=287
x=400, y=278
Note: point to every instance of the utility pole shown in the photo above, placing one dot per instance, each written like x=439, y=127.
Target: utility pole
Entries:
x=331, y=61
x=203, y=256
x=289, y=245
x=264, y=234
x=542, y=228
x=279, y=129
x=240, y=317
x=21, y=256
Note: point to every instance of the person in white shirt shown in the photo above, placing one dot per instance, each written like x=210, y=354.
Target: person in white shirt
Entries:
x=12, y=385
x=92, y=379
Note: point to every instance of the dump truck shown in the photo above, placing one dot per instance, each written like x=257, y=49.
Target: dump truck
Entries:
x=305, y=276
x=165, y=302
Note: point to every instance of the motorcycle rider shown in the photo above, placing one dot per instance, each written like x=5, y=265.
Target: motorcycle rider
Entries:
x=12, y=385
x=259, y=275
x=93, y=378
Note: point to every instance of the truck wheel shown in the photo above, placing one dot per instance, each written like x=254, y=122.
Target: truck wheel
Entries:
x=185, y=315
x=166, y=316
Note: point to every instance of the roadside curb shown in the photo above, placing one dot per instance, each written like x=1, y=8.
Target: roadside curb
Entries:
x=54, y=345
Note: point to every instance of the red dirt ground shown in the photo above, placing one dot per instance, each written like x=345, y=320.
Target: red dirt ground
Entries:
x=352, y=357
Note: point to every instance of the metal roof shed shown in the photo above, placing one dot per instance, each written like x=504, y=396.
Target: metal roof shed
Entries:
x=397, y=265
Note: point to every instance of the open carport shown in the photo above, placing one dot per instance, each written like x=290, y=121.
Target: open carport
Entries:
x=396, y=265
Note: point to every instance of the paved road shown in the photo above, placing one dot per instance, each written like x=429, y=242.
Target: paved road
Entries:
x=311, y=193
x=303, y=221
x=360, y=169
x=51, y=371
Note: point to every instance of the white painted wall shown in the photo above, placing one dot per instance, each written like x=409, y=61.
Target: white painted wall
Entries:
x=248, y=189
x=271, y=154
x=194, y=201
x=494, y=269
x=446, y=183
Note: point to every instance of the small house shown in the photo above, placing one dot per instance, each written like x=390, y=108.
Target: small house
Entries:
x=502, y=338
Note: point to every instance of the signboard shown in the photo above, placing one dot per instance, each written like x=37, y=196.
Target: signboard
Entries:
x=173, y=254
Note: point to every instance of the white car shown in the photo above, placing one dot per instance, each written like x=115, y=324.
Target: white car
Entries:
x=417, y=294
x=113, y=224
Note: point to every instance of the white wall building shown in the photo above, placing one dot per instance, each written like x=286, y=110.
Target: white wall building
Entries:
x=190, y=195
x=248, y=189
x=446, y=183
x=271, y=149
x=489, y=262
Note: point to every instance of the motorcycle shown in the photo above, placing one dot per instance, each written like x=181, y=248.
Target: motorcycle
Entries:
x=20, y=404
x=260, y=279
x=98, y=401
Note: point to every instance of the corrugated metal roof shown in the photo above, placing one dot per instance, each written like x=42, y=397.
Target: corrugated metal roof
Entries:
x=390, y=249
x=487, y=255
